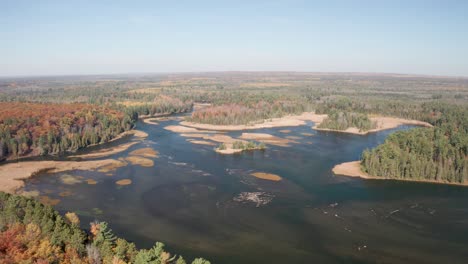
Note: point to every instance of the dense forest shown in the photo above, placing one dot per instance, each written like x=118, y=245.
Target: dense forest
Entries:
x=40, y=129
x=161, y=105
x=31, y=129
x=31, y=232
x=437, y=154
x=240, y=114
x=343, y=120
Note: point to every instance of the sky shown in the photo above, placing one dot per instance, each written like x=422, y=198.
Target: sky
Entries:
x=107, y=37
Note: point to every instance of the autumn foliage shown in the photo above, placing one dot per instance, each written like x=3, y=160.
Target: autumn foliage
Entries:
x=31, y=232
x=240, y=114
x=39, y=129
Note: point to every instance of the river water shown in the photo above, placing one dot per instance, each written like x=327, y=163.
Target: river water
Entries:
x=190, y=201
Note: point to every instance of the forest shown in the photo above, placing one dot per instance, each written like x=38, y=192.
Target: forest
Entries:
x=436, y=154
x=55, y=115
x=31, y=232
x=241, y=114
x=343, y=120
x=31, y=129
x=34, y=129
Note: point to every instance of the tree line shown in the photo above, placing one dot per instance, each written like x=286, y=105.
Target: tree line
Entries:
x=438, y=153
x=31, y=232
x=342, y=120
x=41, y=129
x=242, y=114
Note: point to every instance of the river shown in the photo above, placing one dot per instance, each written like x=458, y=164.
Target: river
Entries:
x=190, y=201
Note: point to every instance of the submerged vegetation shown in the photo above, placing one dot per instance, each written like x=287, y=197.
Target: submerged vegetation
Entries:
x=31, y=232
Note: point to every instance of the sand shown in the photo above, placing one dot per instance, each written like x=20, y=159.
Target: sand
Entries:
x=137, y=160
x=214, y=137
x=201, y=142
x=285, y=131
x=13, y=174
x=91, y=182
x=184, y=129
x=228, y=151
x=139, y=134
x=383, y=123
x=266, y=176
x=112, y=167
x=123, y=182
x=353, y=169
x=291, y=120
x=105, y=152
x=145, y=152
x=150, y=121
x=267, y=139
x=293, y=137
x=181, y=129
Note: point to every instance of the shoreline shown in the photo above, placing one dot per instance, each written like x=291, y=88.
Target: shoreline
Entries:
x=353, y=169
x=285, y=121
x=383, y=123
x=13, y=175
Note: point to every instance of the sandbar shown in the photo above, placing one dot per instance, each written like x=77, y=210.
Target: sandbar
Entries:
x=13, y=174
x=266, y=176
x=290, y=120
x=353, y=169
x=383, y=123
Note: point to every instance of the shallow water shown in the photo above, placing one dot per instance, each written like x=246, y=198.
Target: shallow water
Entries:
x=190, y=201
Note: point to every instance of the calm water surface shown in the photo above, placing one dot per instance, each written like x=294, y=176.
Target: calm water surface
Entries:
x=187, y=200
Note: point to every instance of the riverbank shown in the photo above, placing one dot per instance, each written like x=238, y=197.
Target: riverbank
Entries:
x=353, y=169
x=286, y=121
x=138, y=134
x=12, y=175
x=382, y=123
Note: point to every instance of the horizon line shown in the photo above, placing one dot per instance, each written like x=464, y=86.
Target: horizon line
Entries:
x=363, y=73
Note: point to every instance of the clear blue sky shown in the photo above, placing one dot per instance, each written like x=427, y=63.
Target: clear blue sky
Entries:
x=39, y=37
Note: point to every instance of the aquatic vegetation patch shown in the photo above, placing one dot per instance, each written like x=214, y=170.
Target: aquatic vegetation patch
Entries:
x=65, y=193
x=258, y=198
x=49, y=201
x=69, y=179
x=97, y=211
